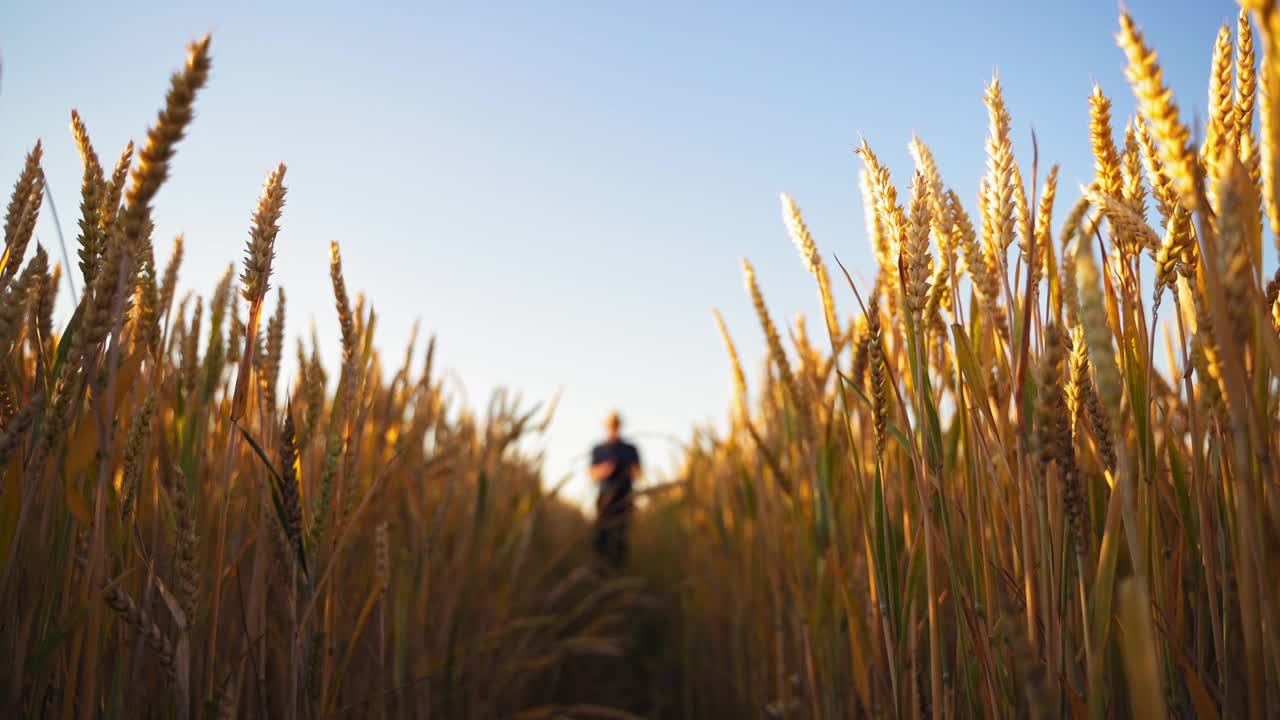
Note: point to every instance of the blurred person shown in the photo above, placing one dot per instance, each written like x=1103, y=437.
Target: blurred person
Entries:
x=615, y=464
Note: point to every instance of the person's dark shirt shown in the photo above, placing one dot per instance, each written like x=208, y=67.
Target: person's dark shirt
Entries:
x=625, y=457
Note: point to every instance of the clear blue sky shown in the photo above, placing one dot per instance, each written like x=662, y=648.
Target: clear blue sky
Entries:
x=562, y=190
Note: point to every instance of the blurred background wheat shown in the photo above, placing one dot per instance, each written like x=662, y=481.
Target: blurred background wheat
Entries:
x=183, y=535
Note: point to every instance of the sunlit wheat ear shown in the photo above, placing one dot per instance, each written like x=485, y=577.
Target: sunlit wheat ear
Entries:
x=162, y=140
x=1072, y=223
x=1238, y=236
x=890, y=218
x=927, y=166
x=346, y=321
x=999, y=216
x=1135, y=190
x=1162, y=189
x=876, y=234
x=980, y=257
x=92, y=189
x=739, y=378
x=1269, y=109
x=20, y=218
x=124, y=236
x=1133, y=234
x=799, y=233
x=1220, y=127
x=1084, y=404
x=358, y=315
x=966, y=239
x=915, y=247
x=943, y=227
x=1021, y=212
x=1097, y=333
x=1106, y=161
x=808, y=250
x=263, y=230
x=879, y=375
x=1245, y=138
x=28, y=181
x=1044, y=226
x=1155, y=102
x=1178, y=253
x=861, y=352
x=1246, y=77
x=109, y=212
x=777, y=354
x=169, y=283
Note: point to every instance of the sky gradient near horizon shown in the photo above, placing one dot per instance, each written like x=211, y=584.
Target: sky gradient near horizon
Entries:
x=562, y=191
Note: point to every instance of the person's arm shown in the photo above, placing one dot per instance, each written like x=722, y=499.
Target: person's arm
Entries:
x=603, y=469
x=603, y=463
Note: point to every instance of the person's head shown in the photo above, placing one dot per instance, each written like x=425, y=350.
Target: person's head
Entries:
x=613, y=425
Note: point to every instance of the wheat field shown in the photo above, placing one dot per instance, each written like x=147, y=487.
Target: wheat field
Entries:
x=1029, y=471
